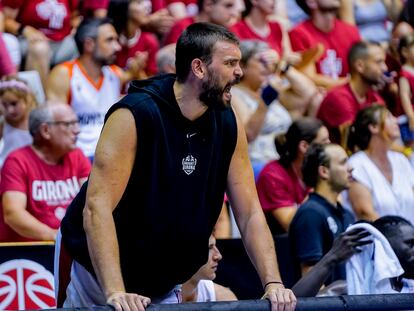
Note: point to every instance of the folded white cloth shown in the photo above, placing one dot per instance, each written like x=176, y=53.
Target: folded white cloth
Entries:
x=369, y=271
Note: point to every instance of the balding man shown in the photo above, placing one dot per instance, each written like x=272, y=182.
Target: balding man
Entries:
x=39, y=181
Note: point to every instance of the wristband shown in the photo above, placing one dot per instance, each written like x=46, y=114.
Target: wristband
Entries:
x=269, y=94
x=273, y=282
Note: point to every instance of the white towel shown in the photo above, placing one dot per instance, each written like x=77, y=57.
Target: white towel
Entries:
x=368, y=272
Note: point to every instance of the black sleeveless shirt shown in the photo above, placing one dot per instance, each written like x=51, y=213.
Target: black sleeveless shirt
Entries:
x=174, y=195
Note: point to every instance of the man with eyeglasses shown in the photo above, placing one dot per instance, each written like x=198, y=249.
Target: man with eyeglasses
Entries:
x=39, y=181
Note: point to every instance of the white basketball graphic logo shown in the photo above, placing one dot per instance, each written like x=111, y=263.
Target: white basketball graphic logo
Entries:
x=25, y=284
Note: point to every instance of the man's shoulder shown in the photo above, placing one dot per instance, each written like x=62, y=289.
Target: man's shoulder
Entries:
x=337, y=97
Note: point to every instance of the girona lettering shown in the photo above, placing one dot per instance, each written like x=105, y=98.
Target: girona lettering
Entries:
x=55, y=191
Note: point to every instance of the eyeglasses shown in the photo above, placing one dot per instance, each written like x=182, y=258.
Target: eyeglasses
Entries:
x=67, y=124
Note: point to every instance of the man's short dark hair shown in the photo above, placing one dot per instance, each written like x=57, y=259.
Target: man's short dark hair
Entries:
x=390, y=225
x=315, y=156
x=89, y=29
x=198, y=41
x=304, y=6
x=359, y=50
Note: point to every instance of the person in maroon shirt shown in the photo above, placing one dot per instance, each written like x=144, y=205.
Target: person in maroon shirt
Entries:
x=220, y=12
x=43, y=28
x=280, y=186
x=334, y=36
x=133, y=39
x=340, y=106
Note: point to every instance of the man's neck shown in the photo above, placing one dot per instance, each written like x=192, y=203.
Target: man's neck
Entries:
x=359, y=88
x=325, y=191
x=93, y=69
x=187, y=95
x=324, y=21
x=258, y=21
x=189, y=290
x=47, y=154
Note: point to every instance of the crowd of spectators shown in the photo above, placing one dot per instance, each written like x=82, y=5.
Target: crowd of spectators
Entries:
x=315, y=71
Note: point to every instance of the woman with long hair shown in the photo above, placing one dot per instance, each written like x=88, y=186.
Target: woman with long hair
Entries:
x=280, y=185
x=383, y=179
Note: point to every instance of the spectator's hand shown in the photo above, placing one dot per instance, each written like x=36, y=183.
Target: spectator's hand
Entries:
x=160, y=22
x=32, y=34
x=347, y=244
x=127, y=301
x=293, y=58
x=269, y=59
x=281, y=298
x=137, y=63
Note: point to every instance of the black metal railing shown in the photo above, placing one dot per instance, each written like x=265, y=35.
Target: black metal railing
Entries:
x=338, y=303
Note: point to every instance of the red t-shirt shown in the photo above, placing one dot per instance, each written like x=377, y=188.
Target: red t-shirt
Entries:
x=410, y=78
x=340, y=106
x=274, y=39
x=146, y=42
x=337, y=43
x=52, y=17
x=279, y=187
x=49, y=188
x=177, y=29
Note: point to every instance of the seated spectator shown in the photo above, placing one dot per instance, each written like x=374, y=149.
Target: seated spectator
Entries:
x=372, y=17
x=340, y=106
x=200, y=287
x=387, y=266
x=383, y=180
x=127, y=20
x=280, y=185
x=336, y=37
x=39, y=181
x=165, y=59
x=406, y=87
x=220, y=12
x=91, y=84
x=158, y=21
x=344, y=247
x=43, y=28
x=16, y=102
x=321, y=218
x=254, y=99
x=255, y=25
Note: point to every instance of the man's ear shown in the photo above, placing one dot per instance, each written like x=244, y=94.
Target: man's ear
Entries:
x=323, y=172
x=312, y=4
x=44, y=130
x=198, y=68
x=89, y=45
x=303, y=146
x=207, y=6
x=359, y=65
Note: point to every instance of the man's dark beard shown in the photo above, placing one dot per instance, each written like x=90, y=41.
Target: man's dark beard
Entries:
x=102, y=60
x=212, y=94
x=370, y=81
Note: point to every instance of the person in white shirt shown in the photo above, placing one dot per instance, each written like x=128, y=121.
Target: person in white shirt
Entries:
x=383, y=179
x=200, y=287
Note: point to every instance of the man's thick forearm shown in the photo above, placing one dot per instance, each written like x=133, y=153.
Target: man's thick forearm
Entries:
x=104, y=252
x=261, y=248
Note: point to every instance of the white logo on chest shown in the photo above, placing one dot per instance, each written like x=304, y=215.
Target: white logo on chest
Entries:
x=333, y=226
x=52, y=11
x=189, y=164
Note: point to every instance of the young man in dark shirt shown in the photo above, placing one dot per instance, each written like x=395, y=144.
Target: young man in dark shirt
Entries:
x=321, y=218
